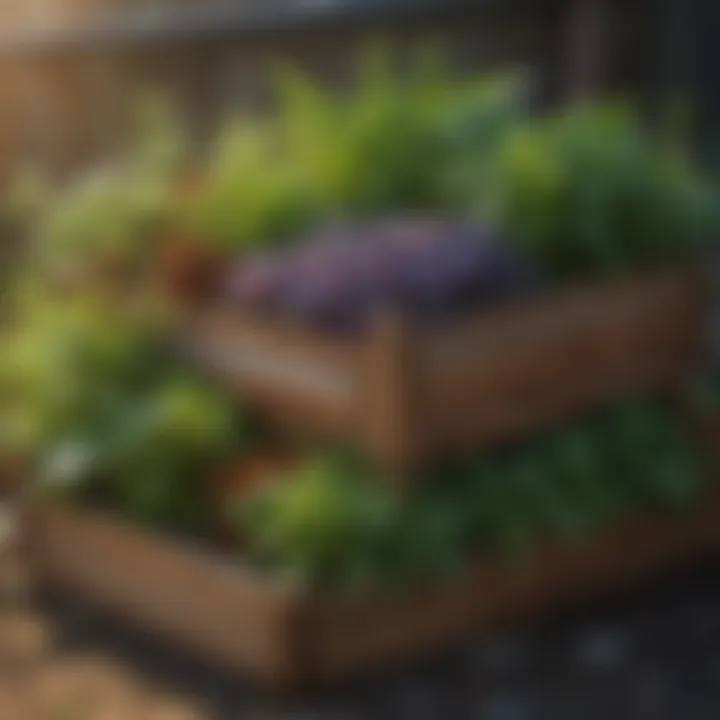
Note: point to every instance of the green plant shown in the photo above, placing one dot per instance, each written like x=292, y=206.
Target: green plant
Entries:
x=251, y=194
x=319, y=524
x=94, y=399
x=642, y=438
x=590, y=192
x=332, y=524
x=113, y=214
x=397, y=143
x=704, y=393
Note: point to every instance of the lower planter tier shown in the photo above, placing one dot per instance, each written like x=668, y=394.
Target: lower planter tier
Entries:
x=12, y=471
x=290, y=638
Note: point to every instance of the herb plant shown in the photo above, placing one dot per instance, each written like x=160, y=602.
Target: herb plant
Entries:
x=591, y=192
x=101, y=409
x=111, y=217
x=397, y=143
x=334, y=526
x=704, y=393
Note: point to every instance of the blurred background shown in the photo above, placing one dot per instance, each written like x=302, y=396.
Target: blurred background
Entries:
x=71, y=69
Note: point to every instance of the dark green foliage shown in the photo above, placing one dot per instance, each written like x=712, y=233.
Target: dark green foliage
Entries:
x=704, y=393
x=332, y=525
x=592, y=192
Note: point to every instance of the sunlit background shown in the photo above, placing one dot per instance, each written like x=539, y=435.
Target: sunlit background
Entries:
x=70, y=69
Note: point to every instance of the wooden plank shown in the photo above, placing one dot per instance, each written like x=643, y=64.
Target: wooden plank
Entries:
x=529, y=365
x=200, y=602
x=408, y=397
x=280, y=635
x=587, y=47
x=292, y=376
x=393, y=423
x=362, y=633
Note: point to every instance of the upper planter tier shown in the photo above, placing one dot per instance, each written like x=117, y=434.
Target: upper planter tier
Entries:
x=409, y=396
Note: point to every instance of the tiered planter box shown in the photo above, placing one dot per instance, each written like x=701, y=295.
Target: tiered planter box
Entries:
x=706, y=425
x=292, y=638
x=12, y=471
x=408, y=395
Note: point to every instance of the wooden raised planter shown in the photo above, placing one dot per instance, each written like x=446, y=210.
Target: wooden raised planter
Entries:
x=705, y=424
x=294, y=639
x=408, y=396
x=12, y=472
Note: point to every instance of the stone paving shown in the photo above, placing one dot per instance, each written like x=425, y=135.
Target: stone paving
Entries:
x=651, y=656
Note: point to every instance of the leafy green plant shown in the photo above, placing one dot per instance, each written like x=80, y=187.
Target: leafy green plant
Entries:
x=393, y=144
x=397, y=143
x=105, y=216
x=102, y=410
x=590, y=192
x=642, y=438
x=704, y=393
x=113, y=214
x=251, y=194
x=319, y=524
x=333, y=525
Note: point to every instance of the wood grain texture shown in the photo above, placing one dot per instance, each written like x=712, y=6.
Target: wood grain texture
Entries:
x=293, y=639
x=358, y=634
x=293, y=377
x=200, y=602
x=409, y=396
x=528, y=365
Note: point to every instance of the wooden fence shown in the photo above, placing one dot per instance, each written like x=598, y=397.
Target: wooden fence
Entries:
x=71, y=70
x=67, y=88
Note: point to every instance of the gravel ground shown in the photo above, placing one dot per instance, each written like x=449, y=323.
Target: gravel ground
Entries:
x=654, y=655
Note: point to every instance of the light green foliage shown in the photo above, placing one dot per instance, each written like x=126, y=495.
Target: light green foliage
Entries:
x=253, y=194
x=27, y=196
x=334, y=525
x=95, y=400
x=114, y=212
x=393, y=144
x=585, y=191
x=591, y=192
x=396, y=143
x=51, y=357
x=311, y=522
x=104, y=215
